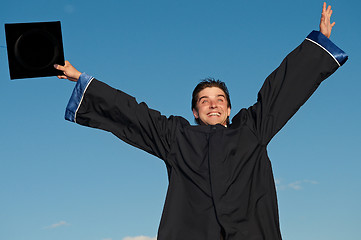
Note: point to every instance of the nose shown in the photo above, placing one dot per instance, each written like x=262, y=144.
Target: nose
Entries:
x=212, y=104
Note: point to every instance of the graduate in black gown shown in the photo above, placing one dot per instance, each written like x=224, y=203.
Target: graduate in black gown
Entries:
x=221, y=184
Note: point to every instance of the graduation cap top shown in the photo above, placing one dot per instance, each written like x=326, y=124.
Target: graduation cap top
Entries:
x=34, y=48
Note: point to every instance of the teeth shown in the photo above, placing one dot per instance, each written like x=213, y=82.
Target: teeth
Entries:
x=214, y=114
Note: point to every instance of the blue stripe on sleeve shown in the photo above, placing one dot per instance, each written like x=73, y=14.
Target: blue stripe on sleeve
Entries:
x=320, y=39
x=77, y=97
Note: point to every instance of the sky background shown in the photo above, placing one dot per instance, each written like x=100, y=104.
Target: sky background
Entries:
x=59, y=180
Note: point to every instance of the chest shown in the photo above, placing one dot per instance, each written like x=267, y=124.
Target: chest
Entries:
x=203, y=147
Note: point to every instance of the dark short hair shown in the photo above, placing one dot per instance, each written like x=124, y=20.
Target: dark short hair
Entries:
x=206, y=83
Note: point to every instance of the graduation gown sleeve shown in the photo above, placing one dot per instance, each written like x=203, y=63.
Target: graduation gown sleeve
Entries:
x=95, y=104
x=288, y=87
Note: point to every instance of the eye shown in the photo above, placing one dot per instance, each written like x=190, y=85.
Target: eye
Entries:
x=220, y=100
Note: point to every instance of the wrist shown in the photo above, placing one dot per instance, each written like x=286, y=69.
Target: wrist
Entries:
x=77, y=75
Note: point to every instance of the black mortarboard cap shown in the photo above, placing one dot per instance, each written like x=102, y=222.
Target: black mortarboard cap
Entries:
x=34, y=48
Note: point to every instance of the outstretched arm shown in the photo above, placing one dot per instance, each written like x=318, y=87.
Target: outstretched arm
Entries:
x=325, y=23
x=70, y=72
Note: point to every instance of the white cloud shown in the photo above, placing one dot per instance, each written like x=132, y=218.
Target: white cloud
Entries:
x=297, y=185
x=69, y=8
x=59, y=224
x=140, y=238
x=310, y=181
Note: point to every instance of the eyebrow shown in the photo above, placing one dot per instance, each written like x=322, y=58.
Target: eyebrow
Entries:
x=219, y=95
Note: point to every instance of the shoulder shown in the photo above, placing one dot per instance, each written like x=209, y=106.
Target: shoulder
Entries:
x=241, y=118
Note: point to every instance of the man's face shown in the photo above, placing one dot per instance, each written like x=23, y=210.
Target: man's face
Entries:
x=212, y=107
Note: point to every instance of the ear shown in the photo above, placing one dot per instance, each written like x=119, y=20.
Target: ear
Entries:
x=195, y=113
x=228, y=111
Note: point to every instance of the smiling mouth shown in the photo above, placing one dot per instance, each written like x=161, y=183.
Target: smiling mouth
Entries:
x=214, y=114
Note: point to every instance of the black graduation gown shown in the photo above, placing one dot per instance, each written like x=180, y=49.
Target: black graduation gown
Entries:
x=220, y=179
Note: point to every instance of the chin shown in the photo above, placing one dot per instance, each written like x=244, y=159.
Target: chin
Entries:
x=213, y=123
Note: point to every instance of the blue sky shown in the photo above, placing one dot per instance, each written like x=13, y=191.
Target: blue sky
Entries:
x=62, y=181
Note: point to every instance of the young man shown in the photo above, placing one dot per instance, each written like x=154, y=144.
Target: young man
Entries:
x=221, y=184
x=211, y=103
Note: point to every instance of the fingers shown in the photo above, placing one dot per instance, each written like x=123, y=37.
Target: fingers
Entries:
x=325, y=23
x=59, y=67
x=62, y=68
x=326, y=10
x=70, y=72
x=329, y=11
x=62, y=77
x=326, y=13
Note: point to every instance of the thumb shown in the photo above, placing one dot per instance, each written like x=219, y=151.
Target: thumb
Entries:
x=59, y=67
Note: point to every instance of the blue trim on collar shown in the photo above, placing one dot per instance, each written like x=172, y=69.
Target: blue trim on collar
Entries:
x=320, y=39
x=77, y=96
